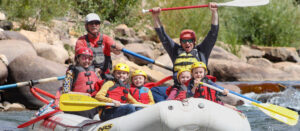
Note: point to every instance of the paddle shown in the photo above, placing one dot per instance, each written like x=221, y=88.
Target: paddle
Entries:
x=277, y=112
x=32, y=82
x=147, y=59
x=28, y=123
x=78, y=102
x=235, y=3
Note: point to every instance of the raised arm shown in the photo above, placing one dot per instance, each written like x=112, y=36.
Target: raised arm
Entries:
x=214, y=10
x=155, y=16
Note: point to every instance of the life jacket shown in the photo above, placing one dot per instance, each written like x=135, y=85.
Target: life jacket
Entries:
x=119, y=92
x=181, y=92
x=185, y=60
x=206, y=93
x=140, y=94
x=100, y=60
x=84, y=79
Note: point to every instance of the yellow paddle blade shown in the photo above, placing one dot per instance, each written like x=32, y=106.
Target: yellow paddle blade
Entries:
x=279, y=113
x=78, y=102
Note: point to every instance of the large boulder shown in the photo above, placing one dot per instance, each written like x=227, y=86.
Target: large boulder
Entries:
x=32, y=67
x=239, y=71
x=260, y=62
x=3, y=70
x=13, y=35
x=6, y=25
x=123, y=30
x=247, y=52
x=55, y=53
x=14, y=48
x=142, y=49
x=165, y=60
x=220, y=53
x=288, y=67
x=278, y=54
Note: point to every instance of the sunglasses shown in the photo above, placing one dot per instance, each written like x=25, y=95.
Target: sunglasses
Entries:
x=84, y=57
x=187, y=40
x=94, y=23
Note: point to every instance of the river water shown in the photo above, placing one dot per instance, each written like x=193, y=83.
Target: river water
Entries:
x=258, y=120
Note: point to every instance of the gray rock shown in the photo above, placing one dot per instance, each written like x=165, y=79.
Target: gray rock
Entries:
x=3, y=73
x=14, y=48
x=6, y=25
x=261, y=62
x=32, y=67
x=142, y=49
x=13, y=35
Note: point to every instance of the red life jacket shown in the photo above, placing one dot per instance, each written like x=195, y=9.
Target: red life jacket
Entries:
x=118, y=92
x=140, y=94
x=84, y=79
x=207, y=93
x=180, y=95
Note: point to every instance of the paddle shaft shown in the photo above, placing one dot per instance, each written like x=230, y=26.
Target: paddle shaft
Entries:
x=231, y=93
x=146, y=59
x=235, y=3
x=28, y=123
x=32, y=82
x=91, y=103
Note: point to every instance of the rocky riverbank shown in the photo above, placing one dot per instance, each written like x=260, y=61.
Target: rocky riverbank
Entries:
x=46, y=52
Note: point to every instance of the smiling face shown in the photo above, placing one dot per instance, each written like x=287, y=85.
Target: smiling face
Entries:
x=85, y=60
x=187, y=42
x=198, y=73
x=184, y=77
x=121, y=75
x=138, y=81
x=93, y=27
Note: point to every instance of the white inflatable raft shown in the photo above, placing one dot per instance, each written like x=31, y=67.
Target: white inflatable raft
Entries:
x=189, y=115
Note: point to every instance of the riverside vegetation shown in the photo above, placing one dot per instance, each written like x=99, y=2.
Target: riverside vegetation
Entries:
x=275, y=24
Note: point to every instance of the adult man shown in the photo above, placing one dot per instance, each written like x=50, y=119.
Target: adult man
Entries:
x=99, y=43
x=185, y=54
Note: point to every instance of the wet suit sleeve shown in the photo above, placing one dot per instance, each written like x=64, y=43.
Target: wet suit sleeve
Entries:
x=150, y=98
x=67, y=84
x=101, y=95
x=209, y=42
x=169, y=45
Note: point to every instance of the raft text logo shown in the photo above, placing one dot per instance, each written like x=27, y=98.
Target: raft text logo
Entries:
x=106, y=127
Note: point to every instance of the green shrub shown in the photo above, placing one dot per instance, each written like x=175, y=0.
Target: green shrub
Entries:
x=275, y=24
x=28, y=12
x=175, y=21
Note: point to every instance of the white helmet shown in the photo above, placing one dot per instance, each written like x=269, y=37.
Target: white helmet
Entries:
x=92, y=17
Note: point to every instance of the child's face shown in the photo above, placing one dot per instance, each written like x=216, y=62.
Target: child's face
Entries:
x=184, y=77
x=121, y=75
x=198, y=73
x=85, y=60
x=138, y=81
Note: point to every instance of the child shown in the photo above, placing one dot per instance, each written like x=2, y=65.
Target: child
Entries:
x=139, y=92
x=179, y=91
x=116, y=91
x=199, y=72
x=81, y=78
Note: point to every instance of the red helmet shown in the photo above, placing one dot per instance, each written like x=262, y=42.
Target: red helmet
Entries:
x=187, y=31
x=84, y=51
